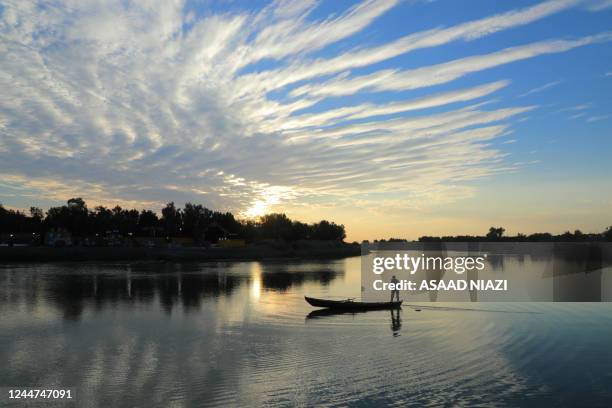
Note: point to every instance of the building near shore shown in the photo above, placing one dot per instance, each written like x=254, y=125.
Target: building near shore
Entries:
x=58, y=237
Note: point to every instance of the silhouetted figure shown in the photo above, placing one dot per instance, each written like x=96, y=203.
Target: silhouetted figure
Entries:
x=394, y=292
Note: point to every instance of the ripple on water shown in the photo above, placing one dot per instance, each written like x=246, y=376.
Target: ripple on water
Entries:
x=234, y=337
x=441, y=352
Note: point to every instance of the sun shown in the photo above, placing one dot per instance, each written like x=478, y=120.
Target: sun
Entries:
x=257, y=209
x=267, y=198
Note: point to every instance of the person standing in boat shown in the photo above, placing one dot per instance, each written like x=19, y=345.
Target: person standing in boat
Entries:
x=395, y=291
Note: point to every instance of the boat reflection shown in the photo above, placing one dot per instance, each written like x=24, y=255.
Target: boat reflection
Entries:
x=396, y=316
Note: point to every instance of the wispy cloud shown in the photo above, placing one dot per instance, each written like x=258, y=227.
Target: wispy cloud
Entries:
x=469, y=31
x=541, y=88
x=295, y=35
x=139, y=103
x=579, y=107
x=395, y=80
x=369, y=110
x=598, y=118
x=578, y=115
x=598, y=5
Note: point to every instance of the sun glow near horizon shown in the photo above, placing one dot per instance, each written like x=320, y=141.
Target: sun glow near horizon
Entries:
x=320, y=110
x=258, y=209
x=268, y=199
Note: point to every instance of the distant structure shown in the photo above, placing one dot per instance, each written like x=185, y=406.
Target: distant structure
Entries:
x=215, y=232
x=19, y=239
x=58, y=237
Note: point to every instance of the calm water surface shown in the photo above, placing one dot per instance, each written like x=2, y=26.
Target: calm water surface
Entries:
x=236, y=334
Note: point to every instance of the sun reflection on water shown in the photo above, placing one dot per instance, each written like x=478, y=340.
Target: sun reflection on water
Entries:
x=255, y=289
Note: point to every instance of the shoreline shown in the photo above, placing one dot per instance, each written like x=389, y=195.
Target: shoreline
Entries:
x=253, y=252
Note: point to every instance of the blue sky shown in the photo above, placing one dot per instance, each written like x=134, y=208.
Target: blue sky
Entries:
x=396, y=118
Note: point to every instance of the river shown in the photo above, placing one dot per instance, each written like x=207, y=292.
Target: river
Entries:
x=241, y=334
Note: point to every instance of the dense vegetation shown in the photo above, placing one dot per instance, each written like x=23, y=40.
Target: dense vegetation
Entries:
x=497, y=234
x=191, y=221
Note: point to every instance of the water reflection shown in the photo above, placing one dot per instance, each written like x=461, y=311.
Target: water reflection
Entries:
x=395, y=314
x=137, y=337
x=322, y=313
x=256, y=273
x=188, y=285
x=555, y=272
x=396, y=321
x=283, y=281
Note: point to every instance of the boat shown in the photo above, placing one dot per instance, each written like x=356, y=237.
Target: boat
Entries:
x=351, y=304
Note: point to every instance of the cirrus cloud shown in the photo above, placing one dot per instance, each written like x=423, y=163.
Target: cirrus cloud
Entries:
x=144, y=102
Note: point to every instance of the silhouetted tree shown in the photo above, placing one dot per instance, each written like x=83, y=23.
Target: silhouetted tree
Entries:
x=126, y=221
x=608, y=233
x=540, y=237
x=171, y=219
x=102, y=219
x=37, y=213
x=328, y=231
x=74, y=217
x=12, y=221
x=300, y=230
x=195, y=219
x=250, y=230
x=578, y=235
x=495, y=233
x=147, y=220
x=227, y=220
x=276, y=226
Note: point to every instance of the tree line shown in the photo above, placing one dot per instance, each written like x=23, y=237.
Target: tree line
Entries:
x=496, y=234
x=191, y=221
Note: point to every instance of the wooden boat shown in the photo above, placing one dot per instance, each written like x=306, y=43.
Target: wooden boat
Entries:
x=351, y=304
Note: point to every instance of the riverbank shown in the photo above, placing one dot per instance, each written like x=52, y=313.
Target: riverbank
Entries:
x=257, y=251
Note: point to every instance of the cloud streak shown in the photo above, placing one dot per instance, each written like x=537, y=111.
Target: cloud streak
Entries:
x=395, y=80
x=541, y=88
x=425, y=39
x=140, y=103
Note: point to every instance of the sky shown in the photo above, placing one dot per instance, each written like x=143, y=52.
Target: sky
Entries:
x=394, y=118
